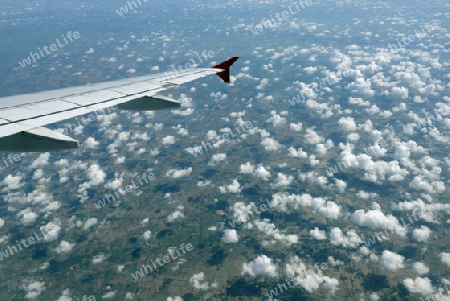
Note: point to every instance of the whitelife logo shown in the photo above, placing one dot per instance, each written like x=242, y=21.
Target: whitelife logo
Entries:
x=124, y=9
x=166, y=259
x=35, y=56
x=10, y=251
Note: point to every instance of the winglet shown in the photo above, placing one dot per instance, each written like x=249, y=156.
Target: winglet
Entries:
x=225, y=75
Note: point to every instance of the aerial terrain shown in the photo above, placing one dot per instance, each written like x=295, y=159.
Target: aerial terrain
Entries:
x=321, y=172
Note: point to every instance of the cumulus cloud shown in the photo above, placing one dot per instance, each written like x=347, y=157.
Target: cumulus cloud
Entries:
x=261, y=172
x=90, y=223
x=27, y=217
x=230, y=236
x=99, y=259
x=292, y=152
x=282, y=180
x=12, y=182
x=297, y=127
x=90, y=143
x=420, y=268
x=392, y=261
x=261, y=266
x=445, y=258
x=199, y=283
x=168, y=140
x=318, y=234
x=216, y=158
x=361, y=86
x=34, y=289
x=419, y=285
x=41, y=161
x=311, y=137
x=147, y=234
x=178, y=173
x=65, y=296
x=234, y=187
x=51, y=230
x=376, y=219
x=276, y=119
x=351, y=239
x=309, y=279
x=95, y=174
x=347, y=124
x=64, y=247
x=421, y=234
x=270, y=144
x=175, y=215
x=247, y=168
x=269, y=229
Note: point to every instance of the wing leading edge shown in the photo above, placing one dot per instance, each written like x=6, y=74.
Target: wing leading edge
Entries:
x=22, y=117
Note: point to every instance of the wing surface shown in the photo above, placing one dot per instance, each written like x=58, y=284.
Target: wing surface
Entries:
x=22, y=117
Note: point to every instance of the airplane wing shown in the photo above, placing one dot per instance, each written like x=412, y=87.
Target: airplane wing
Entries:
x=22, y=117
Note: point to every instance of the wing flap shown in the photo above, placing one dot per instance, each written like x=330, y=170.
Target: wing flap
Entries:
x=150, y=103
x=37, y=140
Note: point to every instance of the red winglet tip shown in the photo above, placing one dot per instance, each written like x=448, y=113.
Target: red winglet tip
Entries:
x=225, y=75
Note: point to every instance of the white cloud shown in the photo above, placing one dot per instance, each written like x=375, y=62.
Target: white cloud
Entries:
x=422, y=234
x=282, y=180
x=234, y=187
x=420, y=268
x=99, y=259
x=376, y=219
x=40, y=161
x=216, y=158
x=168, y=140
x=65, y=296
x=247, y=168
x=27, y=216
x=147, y=234
x=311, y=137
x=347, y=124
x=270, y=144
x=90, y=143
x=90, y=223
x=199, y=282
x=318, y=234
x=276, y=120
x=419, y=285
x=330, y=210
x=175, y=215
x=309, y=279
x=445, y=258
x=297, y=127
x=292, y=152
x=262, y=173
x=392, y=261
x=351, y=239
x=262, y=265
x=96, y=174
x=230, y=236
x=178, y=173
x=51, y=230
x=34, y=289
x=109, y=295
x=12, y=182
x=64, y=247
